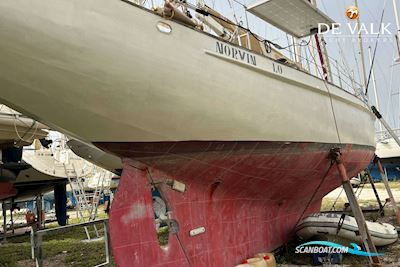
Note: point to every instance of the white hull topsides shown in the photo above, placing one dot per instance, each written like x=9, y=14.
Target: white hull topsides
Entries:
x=102, y=71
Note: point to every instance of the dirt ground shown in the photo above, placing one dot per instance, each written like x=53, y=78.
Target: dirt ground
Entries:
x=56, y=261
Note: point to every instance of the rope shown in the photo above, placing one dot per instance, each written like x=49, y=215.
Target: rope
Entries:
x=334, y=203
x=183, y=249
x=314, y=194
x=168, y=207
x=26, y=132
x=360, y=188
x=168, y=17
x=267, y=43
x=331, y=103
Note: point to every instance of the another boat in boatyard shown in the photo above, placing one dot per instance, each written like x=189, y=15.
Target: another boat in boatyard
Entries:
x=388, y=152
x=210, y=124
x=16, y=131
x=95, y=155
x=43, y=168
x=28, y=168
x=387, y=148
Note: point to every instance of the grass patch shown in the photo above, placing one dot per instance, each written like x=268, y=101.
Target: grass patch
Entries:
x=163, y=235
x=10, y=254
x=77, y=252
x=60, y=249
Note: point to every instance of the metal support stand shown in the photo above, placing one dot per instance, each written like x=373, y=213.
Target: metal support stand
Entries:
x=37, y=248
x=37, y=238
x=43, y=211
x=107, y=244
x=369, y=246
x=371, y=181
x=4, y=222
x=12, y=217
x=39, y=211
x=389, y=191
x=385, y=124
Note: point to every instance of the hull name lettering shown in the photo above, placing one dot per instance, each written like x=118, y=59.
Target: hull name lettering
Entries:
x=236, y=53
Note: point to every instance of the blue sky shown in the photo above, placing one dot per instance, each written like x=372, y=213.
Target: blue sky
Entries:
x=387, y=75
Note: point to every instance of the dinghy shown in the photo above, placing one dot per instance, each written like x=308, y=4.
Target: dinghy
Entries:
x=333, y=224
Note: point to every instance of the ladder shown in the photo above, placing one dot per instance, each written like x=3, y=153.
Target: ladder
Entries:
x=103, y=185
x=82, y=201
x=87, y=203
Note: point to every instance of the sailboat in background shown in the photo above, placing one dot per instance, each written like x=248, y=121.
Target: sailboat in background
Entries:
x=16, y=131
x=34, y=162
x=218, y=128
x=387, y=149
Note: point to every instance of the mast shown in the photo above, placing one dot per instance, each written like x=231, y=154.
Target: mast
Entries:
x=361, y=48
x=374, y=85
x=397, y=60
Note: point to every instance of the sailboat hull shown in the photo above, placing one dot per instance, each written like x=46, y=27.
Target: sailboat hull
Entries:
x=247, y=135
x=102, y=71
x=248, y=196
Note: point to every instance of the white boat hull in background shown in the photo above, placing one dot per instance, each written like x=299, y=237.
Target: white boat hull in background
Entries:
x=387, y=149
x=16, y=128
x=57, y=164
x=96, y=156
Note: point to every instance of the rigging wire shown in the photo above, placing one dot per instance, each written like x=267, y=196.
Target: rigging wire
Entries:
x=390, y=105
x=391, y=92
x=331, y=105
x=357, y=63
x=314, y=194
x=154, y=184
x=375, y=49
x=268, y=43
x=336, y=200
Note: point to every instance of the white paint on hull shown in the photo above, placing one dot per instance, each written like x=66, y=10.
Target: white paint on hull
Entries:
x=102, y=72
